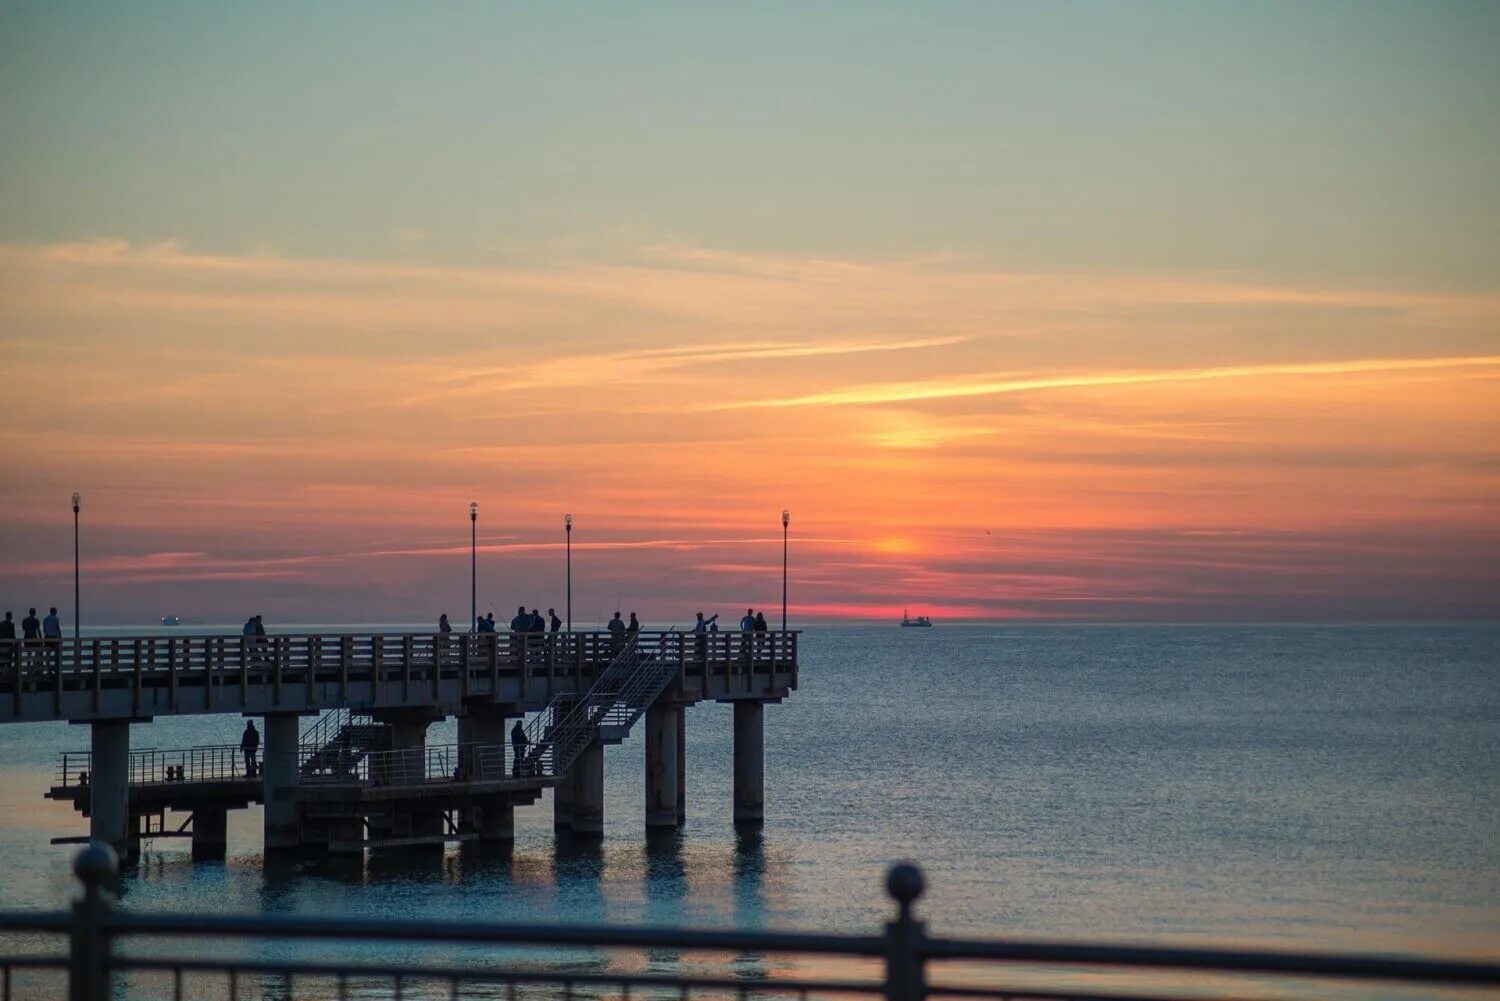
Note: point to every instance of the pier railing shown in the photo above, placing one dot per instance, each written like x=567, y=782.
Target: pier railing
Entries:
x=418, y=766
x=70, y=678
x=210, y=763
x=99, y=951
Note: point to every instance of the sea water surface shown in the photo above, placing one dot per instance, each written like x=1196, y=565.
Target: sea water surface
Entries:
x=1288, y=786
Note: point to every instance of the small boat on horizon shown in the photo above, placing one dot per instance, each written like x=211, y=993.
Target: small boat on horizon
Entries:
x=170, y=620
x=921, y=621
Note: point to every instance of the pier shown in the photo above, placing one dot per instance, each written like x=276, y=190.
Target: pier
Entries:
x=362, y=775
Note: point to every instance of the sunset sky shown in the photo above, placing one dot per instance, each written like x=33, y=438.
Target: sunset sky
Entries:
x=1163, y=311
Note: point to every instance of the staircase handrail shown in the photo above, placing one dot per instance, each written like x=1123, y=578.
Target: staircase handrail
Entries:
x=555, y=740
x=324, y=729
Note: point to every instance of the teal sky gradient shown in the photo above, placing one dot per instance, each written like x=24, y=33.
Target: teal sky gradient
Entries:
x=1341, y=142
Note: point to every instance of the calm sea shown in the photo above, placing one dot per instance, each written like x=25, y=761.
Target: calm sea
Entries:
x=1307, y=787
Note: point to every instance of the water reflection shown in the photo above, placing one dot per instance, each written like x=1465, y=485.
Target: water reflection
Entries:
x=749, y=877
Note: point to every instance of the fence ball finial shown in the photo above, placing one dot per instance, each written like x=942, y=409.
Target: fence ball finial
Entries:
x=97, y=866
x=905, y=883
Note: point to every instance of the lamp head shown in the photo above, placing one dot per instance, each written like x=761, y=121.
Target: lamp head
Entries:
x=786, y=518
x=77, y=499
x=473, y=510
x=568, y=522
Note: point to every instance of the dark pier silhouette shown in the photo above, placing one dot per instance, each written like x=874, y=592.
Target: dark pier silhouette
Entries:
x=363, y=775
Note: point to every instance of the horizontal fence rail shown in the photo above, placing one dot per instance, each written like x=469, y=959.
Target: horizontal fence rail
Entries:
x=100, y=949
x=72, y=678
x=149, y=766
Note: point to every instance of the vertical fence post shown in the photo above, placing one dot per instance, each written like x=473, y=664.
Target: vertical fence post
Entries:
x=89, y=974
x=905, y=977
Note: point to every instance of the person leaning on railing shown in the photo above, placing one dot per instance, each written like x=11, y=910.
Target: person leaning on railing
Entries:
x=10, y=653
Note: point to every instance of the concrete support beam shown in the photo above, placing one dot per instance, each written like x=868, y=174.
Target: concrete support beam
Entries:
x=749, y=763
x=109, y=784
x=210, y=832
x=497, y=820
x=681, y=766
x=562, y=801
x=278, y=776
x=661, y=765
x=485, y=725
x=588, y=793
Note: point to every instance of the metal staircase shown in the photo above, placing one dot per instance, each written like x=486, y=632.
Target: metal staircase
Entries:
x=339, y=741
x=621, y=695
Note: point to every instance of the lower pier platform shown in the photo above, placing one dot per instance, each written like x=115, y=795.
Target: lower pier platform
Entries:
x=364, y=777
x=157, y=787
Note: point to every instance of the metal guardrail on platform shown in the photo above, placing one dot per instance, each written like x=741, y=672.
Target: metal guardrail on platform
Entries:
x=102, y=951
x=149, y=766
x=418, y=766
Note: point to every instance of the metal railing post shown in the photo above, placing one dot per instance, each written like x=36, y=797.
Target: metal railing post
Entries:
x=905, y=975
x=89, y=972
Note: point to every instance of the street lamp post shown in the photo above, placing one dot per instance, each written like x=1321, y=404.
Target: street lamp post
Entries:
x=568, y=529
x=77, y=504
x=473, y=566
x=786, y=519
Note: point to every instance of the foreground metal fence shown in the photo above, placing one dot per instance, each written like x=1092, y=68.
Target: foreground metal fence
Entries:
x=95, y=958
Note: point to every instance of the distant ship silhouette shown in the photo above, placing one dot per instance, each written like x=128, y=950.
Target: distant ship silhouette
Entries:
x=908, y=622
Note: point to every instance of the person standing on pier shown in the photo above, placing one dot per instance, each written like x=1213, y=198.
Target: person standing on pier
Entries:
x=538, y=624
x=250, y=747
x=617, y=633
x=747, y=621
x=518, y=746
x=443, y=626
x=8, y=632
x=633, y=629
x=52, y=626
x=556, y=622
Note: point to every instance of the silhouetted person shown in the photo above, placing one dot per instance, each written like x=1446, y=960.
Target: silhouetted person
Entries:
x=617, y=633
x=52, y=626
x=760, y=622
x=538, y=624
x=634, y=628
x=260, y=625
x=556, y=622
x=489, y=623
x=249, y=628
x=8, y=627
x=443, y=626
x=250, y=747
x=702, y=625
x=747, y=621
x=31, y=626
x=522, y=622
x=517, y=746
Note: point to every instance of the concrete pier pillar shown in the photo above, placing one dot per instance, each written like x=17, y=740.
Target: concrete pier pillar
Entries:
x=588, y=793
x=682, y=766
x=497, y=820
x=485, y=726
x=278, y=777
x=562, y=802
x=109, y=784
x=210, y=832
x=661, y=765
x=749, y=763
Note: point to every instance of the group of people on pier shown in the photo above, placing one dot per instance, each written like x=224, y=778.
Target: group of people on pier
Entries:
x=32, y=628
x=533, y=622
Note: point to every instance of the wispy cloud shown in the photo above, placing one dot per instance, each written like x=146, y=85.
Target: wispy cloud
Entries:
x=944, y=389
